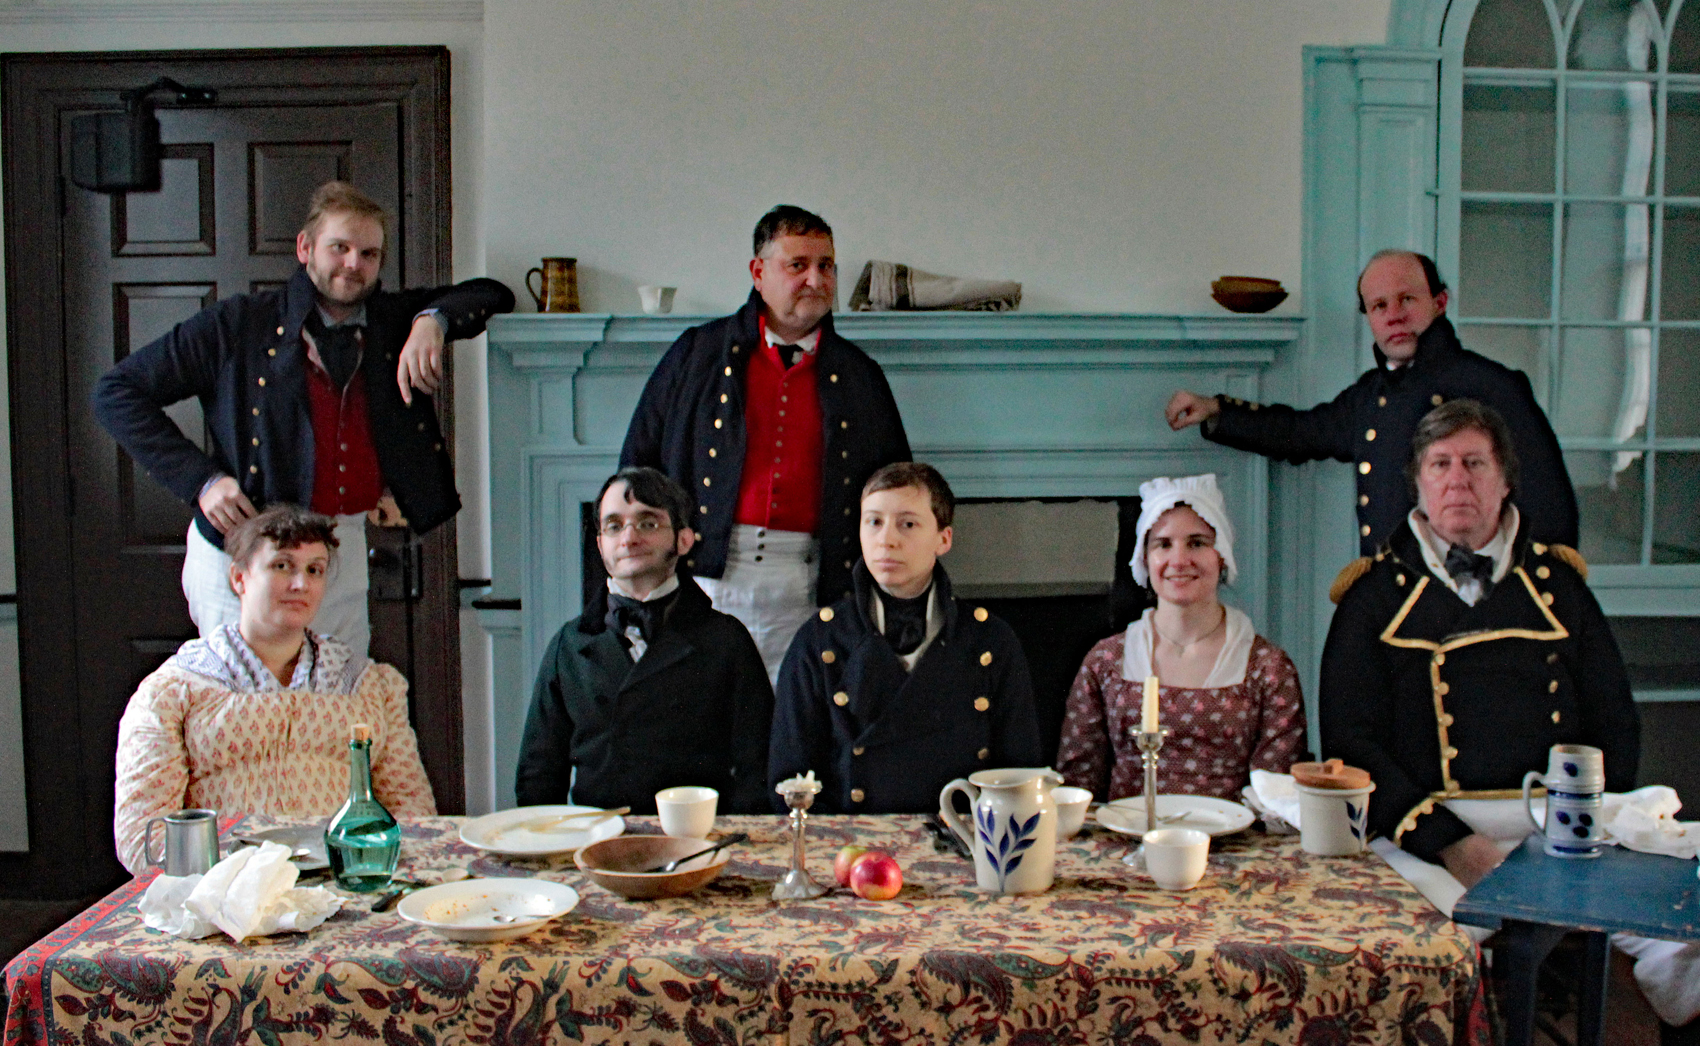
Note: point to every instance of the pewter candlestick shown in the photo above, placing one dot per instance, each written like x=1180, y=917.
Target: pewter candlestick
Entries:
x=1150, y=743
x=798, y=885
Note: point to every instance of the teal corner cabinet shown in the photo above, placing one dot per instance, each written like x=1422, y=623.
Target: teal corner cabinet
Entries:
x=1012, y=405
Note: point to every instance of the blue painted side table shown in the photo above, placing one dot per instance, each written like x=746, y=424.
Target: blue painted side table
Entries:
x=1534, y=899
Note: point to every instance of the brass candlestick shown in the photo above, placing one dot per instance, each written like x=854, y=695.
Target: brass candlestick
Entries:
x=798, y=885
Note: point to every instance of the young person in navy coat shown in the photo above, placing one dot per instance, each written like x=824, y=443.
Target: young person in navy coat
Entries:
x=898, y=688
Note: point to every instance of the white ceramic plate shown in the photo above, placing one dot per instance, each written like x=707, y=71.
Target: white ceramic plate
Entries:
x=1204, y=812
x=511, y=831
x=488, y=909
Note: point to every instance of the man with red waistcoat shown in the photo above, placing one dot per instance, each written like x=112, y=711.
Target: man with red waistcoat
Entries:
x=772, y=422
x=309, y=397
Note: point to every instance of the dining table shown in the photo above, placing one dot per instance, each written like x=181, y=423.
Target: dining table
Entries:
x=1274, y=945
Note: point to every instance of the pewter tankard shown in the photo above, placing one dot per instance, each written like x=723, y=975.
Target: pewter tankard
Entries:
x=191, y=842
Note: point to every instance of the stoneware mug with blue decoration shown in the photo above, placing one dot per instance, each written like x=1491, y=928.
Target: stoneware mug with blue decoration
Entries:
x=1333, y=822
x=1575, y=781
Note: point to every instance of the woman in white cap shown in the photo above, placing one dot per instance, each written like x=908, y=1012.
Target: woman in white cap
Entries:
x=1229, y=698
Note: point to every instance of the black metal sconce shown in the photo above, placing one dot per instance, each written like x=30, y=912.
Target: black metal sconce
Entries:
x=113, y=152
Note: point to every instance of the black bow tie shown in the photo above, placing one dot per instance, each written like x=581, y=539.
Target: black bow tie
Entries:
x=339, y=347
x=905, y=621
x=790, y=355
x=625, y=612
x=1461, y=563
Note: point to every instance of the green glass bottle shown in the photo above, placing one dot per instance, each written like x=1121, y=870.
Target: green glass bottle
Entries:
x=362, y=841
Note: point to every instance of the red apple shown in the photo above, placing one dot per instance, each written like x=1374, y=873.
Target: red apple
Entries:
x=841, y=864
x=876, y=876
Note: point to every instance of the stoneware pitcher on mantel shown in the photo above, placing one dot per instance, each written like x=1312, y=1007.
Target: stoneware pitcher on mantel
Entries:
x=1014, y=835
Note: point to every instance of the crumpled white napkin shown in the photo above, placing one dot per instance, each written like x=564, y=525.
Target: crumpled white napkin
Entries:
x=1275, y=798
x=251, y=893
x=1645, y=820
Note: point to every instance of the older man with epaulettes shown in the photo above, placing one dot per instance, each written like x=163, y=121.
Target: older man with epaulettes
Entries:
x=1460, y=653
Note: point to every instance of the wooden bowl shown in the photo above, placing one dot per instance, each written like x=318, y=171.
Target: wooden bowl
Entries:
x=1248, y=301
x=617, y=865
x=1245, y=283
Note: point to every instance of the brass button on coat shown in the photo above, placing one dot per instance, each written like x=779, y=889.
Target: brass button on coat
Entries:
x=984, y=754
x=826, y=613
x=1370, y=435
x=986, y=658
x=1552, y=687
x=858, y=750
x=1437, y=399
x=1363, y=499
x=841, y=699
x=1364, y=530
x=1381, y=401
x=857, y=795
x=828, y=656
x=1546, y=597
x=981, y=704
x=1443, y=688
x=1363, y=467
x=1555, y=717
x=1543, y=572
x=981, y=614
x=728, y=372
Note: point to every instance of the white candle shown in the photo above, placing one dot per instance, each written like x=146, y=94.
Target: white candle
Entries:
x=1148, y=721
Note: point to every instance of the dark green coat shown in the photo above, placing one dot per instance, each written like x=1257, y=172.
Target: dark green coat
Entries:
x=694, y=710
x=1435, y=697
x=885, y=740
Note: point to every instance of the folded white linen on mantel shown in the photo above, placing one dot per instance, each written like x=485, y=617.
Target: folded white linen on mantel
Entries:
x=251, y=893
x=894, y=286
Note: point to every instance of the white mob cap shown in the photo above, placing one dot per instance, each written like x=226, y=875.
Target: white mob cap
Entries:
x=1199, y=493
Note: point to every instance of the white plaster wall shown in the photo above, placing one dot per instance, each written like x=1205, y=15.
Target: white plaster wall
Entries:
x=1109, y=154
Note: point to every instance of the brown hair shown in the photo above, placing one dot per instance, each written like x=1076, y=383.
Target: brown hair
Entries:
x=343, y=198
x=287, y=526
x=902, y=474
x=1453, y=417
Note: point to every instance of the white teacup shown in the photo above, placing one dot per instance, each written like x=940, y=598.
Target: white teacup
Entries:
x=1175, y=857
x=1071, y=809
x=687, y=810
x=656, y=299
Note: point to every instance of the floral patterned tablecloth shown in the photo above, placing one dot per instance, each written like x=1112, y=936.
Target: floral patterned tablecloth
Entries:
x=1274, y=946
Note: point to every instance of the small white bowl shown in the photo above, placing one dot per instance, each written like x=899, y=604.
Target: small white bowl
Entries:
x=481, y=910
x=1071, y=809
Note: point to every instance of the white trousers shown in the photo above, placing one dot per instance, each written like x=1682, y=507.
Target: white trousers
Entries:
x=1668, y=972
x=769, y=585
x=206, y=585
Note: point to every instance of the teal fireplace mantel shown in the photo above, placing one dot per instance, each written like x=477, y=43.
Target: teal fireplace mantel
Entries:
x=1006, y=405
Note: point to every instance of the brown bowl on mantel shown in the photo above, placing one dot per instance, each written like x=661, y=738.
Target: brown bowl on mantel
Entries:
x=1247, y=293
x=618, y=864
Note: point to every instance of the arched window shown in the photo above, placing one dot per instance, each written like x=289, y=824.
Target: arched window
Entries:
x=1569, y=197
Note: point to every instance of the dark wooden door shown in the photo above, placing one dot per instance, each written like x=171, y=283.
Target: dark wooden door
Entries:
x=101, y=550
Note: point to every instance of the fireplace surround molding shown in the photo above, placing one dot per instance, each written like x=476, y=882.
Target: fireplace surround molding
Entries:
x=1010, y=405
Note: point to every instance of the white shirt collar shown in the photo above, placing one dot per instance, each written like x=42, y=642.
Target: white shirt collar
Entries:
x=1497, y=549
x=808, y=342
x=666, y=588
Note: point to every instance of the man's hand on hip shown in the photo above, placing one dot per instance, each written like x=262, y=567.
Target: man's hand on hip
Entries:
x=224, y=504
x=421, y=364
x=1189, y=408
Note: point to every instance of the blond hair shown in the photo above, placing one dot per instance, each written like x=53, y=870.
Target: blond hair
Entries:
x=343, y=198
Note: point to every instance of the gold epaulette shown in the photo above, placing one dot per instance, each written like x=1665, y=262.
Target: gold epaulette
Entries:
x=1570, y=557
x=1348, y=577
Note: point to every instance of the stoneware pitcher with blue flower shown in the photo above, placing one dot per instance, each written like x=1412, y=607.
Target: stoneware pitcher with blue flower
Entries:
x=1014, y=833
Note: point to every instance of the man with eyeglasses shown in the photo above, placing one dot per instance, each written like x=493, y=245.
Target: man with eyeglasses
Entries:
x=773, y=422
x=650, y=687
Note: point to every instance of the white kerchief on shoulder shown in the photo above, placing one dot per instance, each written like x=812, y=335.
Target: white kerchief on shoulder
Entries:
x=327, y=665
x=1231, y=663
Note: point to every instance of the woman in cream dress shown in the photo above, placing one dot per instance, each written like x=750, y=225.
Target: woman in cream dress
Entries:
x=255, y=717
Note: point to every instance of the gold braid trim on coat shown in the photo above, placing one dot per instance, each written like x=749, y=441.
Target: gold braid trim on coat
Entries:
x=1348, y=577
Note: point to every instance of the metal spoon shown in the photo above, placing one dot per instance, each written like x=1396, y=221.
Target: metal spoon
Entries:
x=673, y=865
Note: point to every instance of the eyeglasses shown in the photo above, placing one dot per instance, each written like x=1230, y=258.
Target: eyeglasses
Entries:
x=645, y=527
